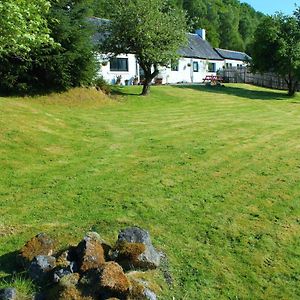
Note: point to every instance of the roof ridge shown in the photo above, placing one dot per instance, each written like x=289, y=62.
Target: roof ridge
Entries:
x=231, y=50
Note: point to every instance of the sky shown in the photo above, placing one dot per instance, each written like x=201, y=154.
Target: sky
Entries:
x=271, y=6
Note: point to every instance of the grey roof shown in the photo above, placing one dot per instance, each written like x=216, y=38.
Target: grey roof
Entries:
x=198, y=48
x=98, y=23
x=234, y=55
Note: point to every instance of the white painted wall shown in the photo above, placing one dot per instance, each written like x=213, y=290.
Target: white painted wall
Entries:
x=111, y=76
x=186, y=74
x=234, y=63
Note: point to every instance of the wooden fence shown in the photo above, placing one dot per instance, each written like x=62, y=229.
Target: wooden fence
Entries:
x=243, y=75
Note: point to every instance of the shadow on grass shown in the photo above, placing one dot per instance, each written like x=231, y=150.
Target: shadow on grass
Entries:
x=123, y=91
x=8, y=263
x=239, y=92
x=33, y=93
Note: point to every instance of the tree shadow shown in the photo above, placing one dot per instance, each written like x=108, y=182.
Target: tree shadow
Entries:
x=239, y=92
x=30, y=93
x=123, y=91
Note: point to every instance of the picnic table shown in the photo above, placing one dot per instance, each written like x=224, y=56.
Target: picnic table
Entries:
x=213, y=79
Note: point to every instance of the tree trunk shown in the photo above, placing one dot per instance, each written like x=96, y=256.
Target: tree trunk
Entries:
x=146, y=88
x=292, y=85
x=148, y=77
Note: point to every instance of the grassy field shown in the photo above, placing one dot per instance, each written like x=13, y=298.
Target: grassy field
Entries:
x=212, y=173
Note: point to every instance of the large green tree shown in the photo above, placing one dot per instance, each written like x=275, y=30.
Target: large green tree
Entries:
x=67, y=62
x=151, y=29
x=23, y=26
x=277, y=48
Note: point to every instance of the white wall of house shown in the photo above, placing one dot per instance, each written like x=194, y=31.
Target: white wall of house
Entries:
x=234, y=63
x=110, y=74
x=190, y=70
x=187, y=69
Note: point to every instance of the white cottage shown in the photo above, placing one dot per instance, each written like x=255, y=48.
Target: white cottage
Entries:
x=197, y=60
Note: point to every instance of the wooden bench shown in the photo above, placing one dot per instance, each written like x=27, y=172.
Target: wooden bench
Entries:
x=212, y=79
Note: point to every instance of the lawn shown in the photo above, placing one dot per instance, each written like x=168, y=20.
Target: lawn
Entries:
x=212, y=173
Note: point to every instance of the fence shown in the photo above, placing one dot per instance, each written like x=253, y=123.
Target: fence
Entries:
x=243, y=75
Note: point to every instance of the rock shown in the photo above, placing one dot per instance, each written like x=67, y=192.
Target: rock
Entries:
x=8, y=294
x=109, y=281
x=41, y=244
x=63, y=259
x=134, y=250
x=60, y=273
x=40, y=267
x=149, y=295
x=90, y=252
x=69, y=280
x=140, y=291
x=67, y=289
x=113, y=279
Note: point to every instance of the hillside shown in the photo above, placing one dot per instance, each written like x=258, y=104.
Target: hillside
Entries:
x=213, y=174
x=230, y=24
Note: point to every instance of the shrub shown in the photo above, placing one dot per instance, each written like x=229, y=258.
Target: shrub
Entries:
x=101, y=84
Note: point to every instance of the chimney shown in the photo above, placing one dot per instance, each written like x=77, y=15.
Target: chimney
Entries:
x=201, y=33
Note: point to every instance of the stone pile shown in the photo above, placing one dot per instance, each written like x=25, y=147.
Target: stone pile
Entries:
x=91, y=270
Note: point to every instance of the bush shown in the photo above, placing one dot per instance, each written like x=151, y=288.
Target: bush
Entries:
x=101, y=84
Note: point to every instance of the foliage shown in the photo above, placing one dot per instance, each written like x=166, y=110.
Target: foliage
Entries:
x=70, y=64
x=277, y=48
x=150, y=29
x=102, y=84
x=211, y=173
x=229, y=23
x=23, y=26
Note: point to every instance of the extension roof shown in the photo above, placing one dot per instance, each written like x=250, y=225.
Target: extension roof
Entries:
x=198, y=48
x=234, y=55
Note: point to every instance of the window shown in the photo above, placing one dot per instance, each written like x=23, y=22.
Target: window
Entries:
x=175, y=65
x=211, y=67
x=119, y=64
x=228, y=66
x=195, y=66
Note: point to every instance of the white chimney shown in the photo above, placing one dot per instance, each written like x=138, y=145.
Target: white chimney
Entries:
x=201, y=33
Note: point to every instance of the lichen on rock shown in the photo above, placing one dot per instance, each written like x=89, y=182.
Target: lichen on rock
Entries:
x=41, y=244
x=134, y=250
x=90, y=252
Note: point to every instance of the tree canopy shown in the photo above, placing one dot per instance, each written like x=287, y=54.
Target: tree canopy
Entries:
x=150, y=29
x=66, y=62
x=23, y=25
x=277, y=48
x=229, y=23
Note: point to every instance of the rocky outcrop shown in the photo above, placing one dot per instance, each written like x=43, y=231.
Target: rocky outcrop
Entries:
x=92, y=269
x=41, y=244
x=134, y=250
x=113, y=279
x=90, y=252
x=40, y=267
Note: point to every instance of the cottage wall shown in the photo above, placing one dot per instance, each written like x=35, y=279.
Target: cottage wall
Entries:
x=186, y=73
x=234, y=63
x=111, y=76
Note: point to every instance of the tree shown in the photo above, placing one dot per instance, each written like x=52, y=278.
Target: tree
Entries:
x=277, y=48
x=150, y=29
x=68, y=62
x=23, y=25
x=73, y=64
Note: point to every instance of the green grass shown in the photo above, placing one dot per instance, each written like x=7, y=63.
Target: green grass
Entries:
x=212, y=173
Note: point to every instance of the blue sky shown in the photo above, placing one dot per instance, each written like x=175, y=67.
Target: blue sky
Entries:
x=271, y=6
